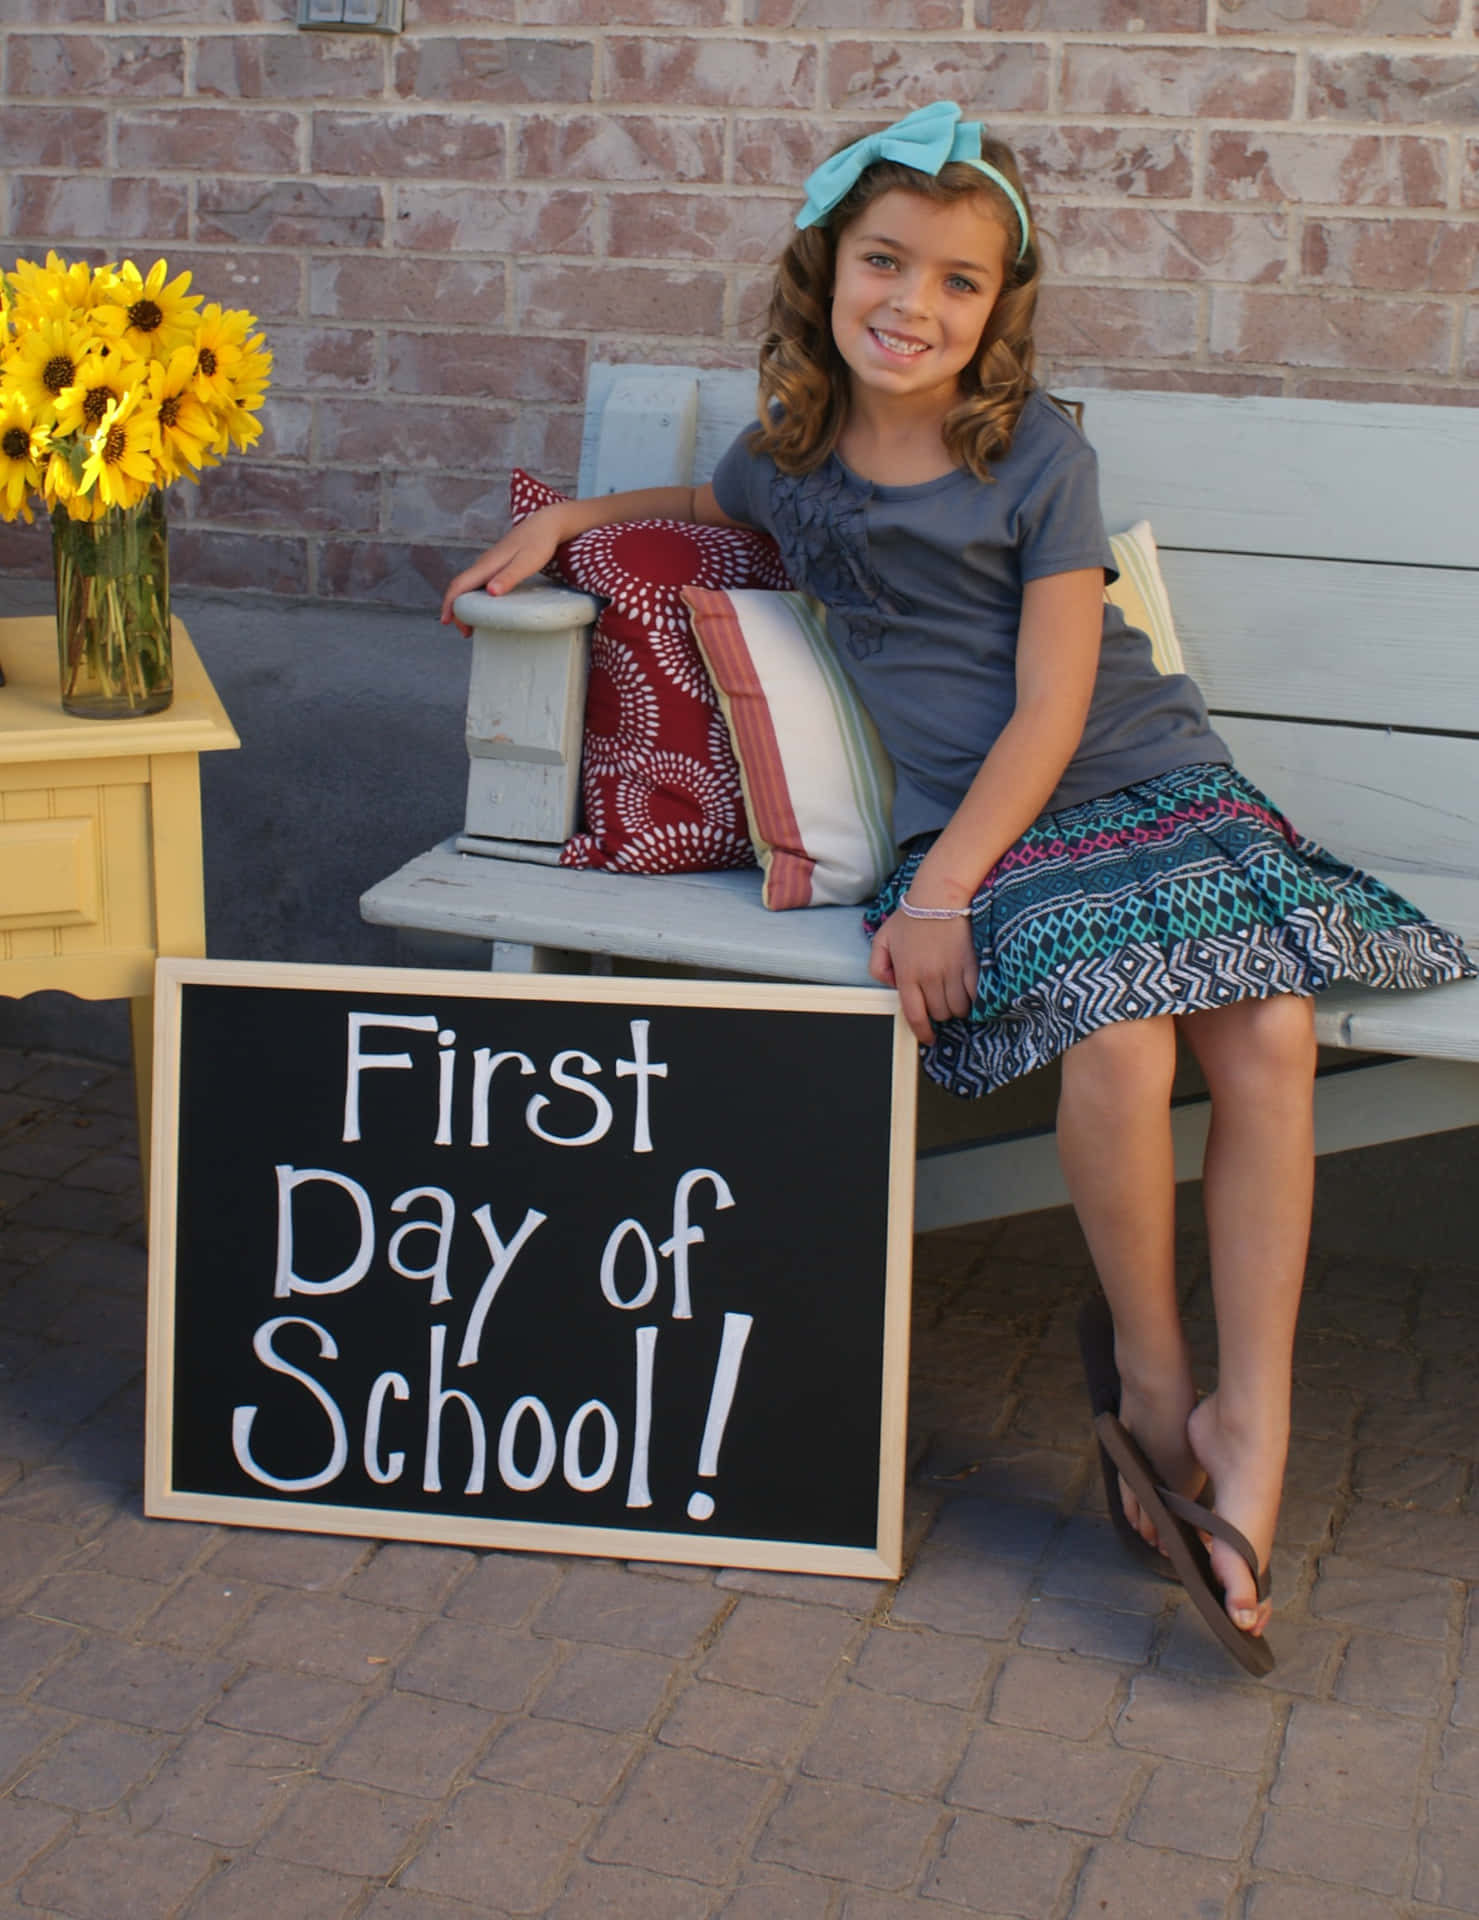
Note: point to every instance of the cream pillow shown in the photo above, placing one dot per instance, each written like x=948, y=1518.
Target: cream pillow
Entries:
x=818, y=786
x=1140, y=594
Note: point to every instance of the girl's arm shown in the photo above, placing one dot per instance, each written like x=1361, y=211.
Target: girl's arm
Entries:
x=933, y=962
x=529, y=547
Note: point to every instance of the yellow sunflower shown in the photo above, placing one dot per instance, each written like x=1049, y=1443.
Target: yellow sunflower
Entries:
x=240, y=395
x=60, y=287
x=102, y=380
x=59, y=484
x=150, y=317
x=44, y=359
x=121, y=465
x=188, y=433
x=22, y=451
x=219, y=341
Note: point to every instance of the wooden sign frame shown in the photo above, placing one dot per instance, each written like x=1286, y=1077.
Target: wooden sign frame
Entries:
x=169, y=1489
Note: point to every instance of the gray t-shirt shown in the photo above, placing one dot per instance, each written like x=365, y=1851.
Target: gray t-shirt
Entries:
x=923, y=591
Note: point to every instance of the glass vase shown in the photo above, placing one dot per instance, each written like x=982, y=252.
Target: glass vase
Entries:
x=112, y=610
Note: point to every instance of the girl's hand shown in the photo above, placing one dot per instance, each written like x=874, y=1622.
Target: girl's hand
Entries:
x=932, y=963
x=524, y=550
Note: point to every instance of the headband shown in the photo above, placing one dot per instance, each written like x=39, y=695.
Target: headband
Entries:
x=926, y=140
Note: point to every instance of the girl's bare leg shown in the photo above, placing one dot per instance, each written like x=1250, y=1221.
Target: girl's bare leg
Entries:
x=1258, y=1057
x=1114, y=1143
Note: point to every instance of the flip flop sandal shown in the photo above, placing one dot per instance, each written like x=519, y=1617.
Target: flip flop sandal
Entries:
x=1180, y=1523
x=1096, y=1350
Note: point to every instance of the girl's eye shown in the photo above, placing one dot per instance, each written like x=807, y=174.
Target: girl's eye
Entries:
x=879, y=260
x=961, y=284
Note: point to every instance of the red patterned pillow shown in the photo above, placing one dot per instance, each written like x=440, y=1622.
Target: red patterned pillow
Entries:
x=659, y=784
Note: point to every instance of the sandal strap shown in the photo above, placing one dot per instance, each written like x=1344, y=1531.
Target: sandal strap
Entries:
x=1206, y=1521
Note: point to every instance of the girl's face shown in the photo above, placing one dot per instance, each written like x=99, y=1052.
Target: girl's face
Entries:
x=915, y=284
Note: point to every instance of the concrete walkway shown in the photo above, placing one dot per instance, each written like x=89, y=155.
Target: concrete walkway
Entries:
x=219, y=1723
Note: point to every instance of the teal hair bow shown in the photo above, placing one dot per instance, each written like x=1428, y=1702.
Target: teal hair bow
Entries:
x=926, y=140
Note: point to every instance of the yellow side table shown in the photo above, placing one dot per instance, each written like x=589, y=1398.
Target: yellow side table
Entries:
x=100, y=858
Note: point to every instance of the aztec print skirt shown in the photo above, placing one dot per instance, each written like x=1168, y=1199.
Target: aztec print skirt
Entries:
x=1174, y=895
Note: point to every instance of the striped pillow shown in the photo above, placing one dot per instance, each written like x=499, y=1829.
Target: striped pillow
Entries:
x=1140, y=594
x=818, y=786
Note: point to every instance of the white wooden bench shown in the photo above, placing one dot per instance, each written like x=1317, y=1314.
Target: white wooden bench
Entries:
x=1324, y=576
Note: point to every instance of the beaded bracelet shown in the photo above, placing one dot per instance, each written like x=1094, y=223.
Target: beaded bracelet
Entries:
x=931, y=913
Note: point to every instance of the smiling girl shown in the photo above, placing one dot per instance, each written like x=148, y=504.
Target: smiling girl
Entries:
x=1085, y=876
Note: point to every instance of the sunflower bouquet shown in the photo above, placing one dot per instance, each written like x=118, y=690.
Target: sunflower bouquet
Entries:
x=113, y=385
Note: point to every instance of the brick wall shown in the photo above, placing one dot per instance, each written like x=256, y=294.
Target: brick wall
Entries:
x=440, y=229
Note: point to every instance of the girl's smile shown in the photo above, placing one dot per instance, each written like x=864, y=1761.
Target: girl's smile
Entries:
x=915, y=285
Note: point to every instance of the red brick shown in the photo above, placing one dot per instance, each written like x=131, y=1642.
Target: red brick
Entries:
x=1400, y=393
x=441, y=146
x=1118, y=323
x=288, y=213
x=270, y=563
x=549, y=444
x=698, y=226
x=446, y=506
x=1166, y=380
x=73, y=65
x=618, y=146
x=65, y=13
x=1469, y=183
x=1368, y=17
x=118, y=211
x=624, y=13
x=719, y=71
x=249, y=493
x=209, y=139
x=1393, y=88
x=287, y=431
x=1400, y=256
x=270, y=285
x=495, y=69
x=752, y=305
x=782, y=152
x=494, y=220
x=486, y=366
x=210, y=13
x=1139, y=243
x=453, y=13
x=367, y=287
x=25, y=550
x=904, y=16
x=620, y=299
x=1470, y=345
x=53, y=136
x=322, y=359
x=292, y=66
x=1143, y=162
x=388, y=575
x=366, y=432
x=886, y=76
x=1183, y=83
x=1331, y=330
x=1093, y=16
x=1374, y=170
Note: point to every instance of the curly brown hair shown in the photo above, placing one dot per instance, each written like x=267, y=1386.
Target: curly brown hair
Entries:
x=803, y=377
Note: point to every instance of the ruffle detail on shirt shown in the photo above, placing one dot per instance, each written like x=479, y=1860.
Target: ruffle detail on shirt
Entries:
x=820, y=523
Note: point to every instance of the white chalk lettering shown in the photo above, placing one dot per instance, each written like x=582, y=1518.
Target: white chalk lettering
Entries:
x=503, y=1259
x=484, y=1066
x=242, y=1418
x=446, y=1069
x=590, y=1482
x=508, y=1470
x=286, y=1281
x=431, y=1478
x=360, y=1062
x=608, y=1266
x=572, y=1083
x=685, y=1235
x=645, y=1070
x=638, y=1494
x=436, y=1273
x=399, y=1388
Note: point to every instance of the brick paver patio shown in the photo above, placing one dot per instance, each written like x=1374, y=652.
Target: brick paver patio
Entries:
x=216, y=1723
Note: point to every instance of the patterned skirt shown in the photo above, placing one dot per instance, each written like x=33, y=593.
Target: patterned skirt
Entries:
x=1174, y=895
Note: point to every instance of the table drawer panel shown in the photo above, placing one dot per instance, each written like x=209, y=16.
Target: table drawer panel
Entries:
x=48, y=872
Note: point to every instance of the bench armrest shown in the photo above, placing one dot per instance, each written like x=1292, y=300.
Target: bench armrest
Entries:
x=531, y=607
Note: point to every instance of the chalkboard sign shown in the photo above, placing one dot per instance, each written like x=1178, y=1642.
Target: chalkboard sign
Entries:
x=589, y=1265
